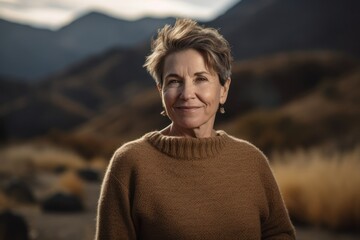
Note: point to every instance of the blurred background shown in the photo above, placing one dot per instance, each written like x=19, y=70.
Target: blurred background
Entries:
x=73, y=89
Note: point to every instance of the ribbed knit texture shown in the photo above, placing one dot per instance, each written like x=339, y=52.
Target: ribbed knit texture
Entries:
x=162, y=187
x=188, y=148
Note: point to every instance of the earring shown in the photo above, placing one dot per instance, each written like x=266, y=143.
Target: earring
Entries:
x=163, y=113
x=222, y=109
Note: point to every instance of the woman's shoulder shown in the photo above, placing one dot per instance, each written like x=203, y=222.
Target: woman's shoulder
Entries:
x=129, y=153
x=243, y=145
x=136, y=146
x=244, y=149
x=251, y=154
x=126, y=160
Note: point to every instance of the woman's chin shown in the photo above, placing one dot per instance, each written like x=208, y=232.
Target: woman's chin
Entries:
x=192, y=123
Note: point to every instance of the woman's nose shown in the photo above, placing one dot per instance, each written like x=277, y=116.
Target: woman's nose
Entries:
x=187, y=91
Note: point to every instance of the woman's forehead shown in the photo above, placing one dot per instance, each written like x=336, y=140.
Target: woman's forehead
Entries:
x=187, y=61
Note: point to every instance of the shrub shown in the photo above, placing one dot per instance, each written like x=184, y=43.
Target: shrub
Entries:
x=71, y=183
x=27, y=158
x=319, y=187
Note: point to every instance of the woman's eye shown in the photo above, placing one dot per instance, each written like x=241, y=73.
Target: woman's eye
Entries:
x=201, y=79
x=173, y=82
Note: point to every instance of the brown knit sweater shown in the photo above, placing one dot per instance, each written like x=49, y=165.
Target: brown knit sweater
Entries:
x=162, y=187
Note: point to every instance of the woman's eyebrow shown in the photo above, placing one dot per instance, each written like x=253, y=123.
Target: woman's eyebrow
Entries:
x=172, y=75
x=200, y=73
x=178, y=76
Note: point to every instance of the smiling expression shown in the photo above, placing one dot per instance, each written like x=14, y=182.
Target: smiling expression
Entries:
x=191, y=93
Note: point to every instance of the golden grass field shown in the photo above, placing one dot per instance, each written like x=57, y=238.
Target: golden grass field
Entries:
x=320, y=189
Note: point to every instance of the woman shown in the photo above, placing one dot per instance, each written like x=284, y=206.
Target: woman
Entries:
x=189, y=181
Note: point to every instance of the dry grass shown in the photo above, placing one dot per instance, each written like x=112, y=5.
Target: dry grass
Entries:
x=320, y=188
x=99, y=164
x=26, y=159
x=5, y=202
x=86, y=141
x=71, y=183
x=39, y=165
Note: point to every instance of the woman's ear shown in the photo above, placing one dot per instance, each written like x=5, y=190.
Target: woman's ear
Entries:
x=224, y=91
x=159, y=87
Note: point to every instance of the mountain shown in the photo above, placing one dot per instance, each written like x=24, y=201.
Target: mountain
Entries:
x=253, y=28
x=260, y=27
x=296, y=100
x=37, y=113
x=310, y=95
x=11, y=89
x=271, y=81
x=112, y=76
x=95, y=32
x=108, y=98
x=24, y=50
x=272, y=99
x=277, y=102
x=74, y=95
x=32, y=53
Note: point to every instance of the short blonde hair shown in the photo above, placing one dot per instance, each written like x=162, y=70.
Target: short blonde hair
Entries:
x=187, y=34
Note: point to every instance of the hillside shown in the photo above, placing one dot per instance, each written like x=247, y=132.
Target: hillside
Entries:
x=72, y=96
x=108, y=96
x=98, y=80
x=101, y=95
x=261, y=27
x=37, y=113
x=327, y=116
x=271, y=101
x=11, y=89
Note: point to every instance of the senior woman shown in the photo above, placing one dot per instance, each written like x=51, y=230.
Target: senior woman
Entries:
x=189, y=181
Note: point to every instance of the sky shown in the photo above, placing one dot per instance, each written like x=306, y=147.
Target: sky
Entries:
x=54, y=14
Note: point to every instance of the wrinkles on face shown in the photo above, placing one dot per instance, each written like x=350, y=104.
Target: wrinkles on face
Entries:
x=190, y=92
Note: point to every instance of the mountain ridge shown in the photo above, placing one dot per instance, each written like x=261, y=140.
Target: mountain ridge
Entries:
x=102, y=95
x=49, y=51
x=266, y=27
x=253, y=28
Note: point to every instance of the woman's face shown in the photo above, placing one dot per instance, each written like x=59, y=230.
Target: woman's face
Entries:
x=191, y=93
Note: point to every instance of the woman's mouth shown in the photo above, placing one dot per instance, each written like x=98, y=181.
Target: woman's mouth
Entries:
x=187, y=108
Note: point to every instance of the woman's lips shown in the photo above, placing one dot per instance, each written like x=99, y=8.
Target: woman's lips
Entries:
x=187, y=108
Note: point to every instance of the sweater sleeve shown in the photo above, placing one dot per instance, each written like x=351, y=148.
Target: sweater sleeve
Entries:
x=114, y=219
x=277, y=225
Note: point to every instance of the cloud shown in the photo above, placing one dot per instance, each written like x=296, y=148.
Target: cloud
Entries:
x=37, y=13
x=55, y=13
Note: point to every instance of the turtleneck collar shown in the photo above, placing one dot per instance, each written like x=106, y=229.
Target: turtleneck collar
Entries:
x=186, y=147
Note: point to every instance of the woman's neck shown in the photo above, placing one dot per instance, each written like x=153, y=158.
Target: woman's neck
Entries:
x=173, y=130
